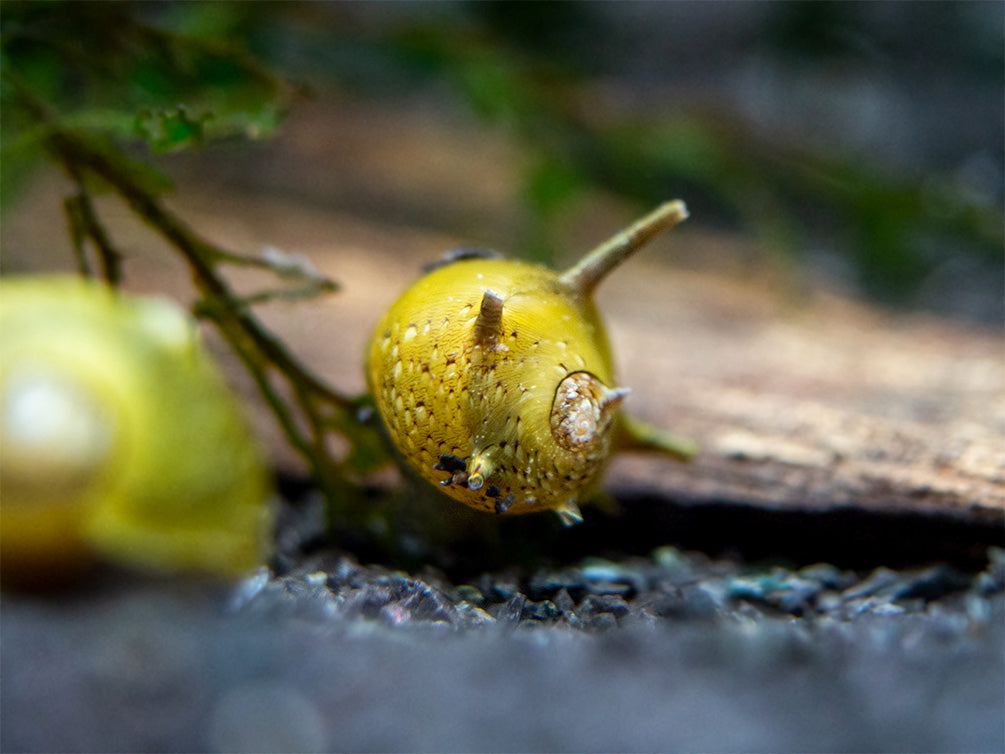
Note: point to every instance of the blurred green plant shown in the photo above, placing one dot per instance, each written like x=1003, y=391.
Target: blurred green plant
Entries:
x=775, y=189
x=526, y=69
x=93, y=111
x=105, y=70
x=529, y=70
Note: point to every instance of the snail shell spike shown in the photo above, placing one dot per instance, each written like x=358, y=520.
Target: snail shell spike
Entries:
x=591, y=269
x=480, y=467
x=488, y=325
x=613, y=397
x=569, y=513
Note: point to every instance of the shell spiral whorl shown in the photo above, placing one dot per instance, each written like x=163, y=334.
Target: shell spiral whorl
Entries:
x=583, y=410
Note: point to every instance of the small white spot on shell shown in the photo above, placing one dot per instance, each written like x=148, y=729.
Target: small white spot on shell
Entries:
x=410, y=332
x=52, y=425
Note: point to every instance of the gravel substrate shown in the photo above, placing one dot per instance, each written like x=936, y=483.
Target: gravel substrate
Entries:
x=675, y=651
x=597, y=594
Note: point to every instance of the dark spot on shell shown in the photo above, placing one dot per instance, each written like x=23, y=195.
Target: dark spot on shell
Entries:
x=492, y=491
x=450, y=463
x=455, y=466
x=505, y=504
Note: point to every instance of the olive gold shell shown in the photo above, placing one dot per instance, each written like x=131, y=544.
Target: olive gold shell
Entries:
x=494, y=378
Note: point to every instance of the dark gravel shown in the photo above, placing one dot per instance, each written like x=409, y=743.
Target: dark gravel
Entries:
x=598, y=594
x=669, y=650
x=672, y=652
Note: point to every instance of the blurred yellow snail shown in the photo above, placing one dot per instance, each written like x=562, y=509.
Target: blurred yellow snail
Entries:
x=119, y=441
x=494, y=378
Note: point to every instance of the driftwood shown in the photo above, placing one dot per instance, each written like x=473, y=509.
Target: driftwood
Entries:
x=800, y=401
x=829, y=405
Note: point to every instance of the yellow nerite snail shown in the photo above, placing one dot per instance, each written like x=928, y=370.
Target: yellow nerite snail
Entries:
x=119, y=439
x=494, y=378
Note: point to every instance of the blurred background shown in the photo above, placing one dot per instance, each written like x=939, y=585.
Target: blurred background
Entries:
x=827, y=325
x=848, y=147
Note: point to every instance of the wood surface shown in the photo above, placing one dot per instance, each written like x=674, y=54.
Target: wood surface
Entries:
x=800, y=399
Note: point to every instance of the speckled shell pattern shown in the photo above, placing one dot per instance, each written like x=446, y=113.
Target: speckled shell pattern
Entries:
x=446, y=392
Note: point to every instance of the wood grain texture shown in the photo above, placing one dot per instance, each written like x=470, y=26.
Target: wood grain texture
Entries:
x=800, y=400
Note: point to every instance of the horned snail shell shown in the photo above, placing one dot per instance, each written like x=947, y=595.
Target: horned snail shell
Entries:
x=494, y=377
